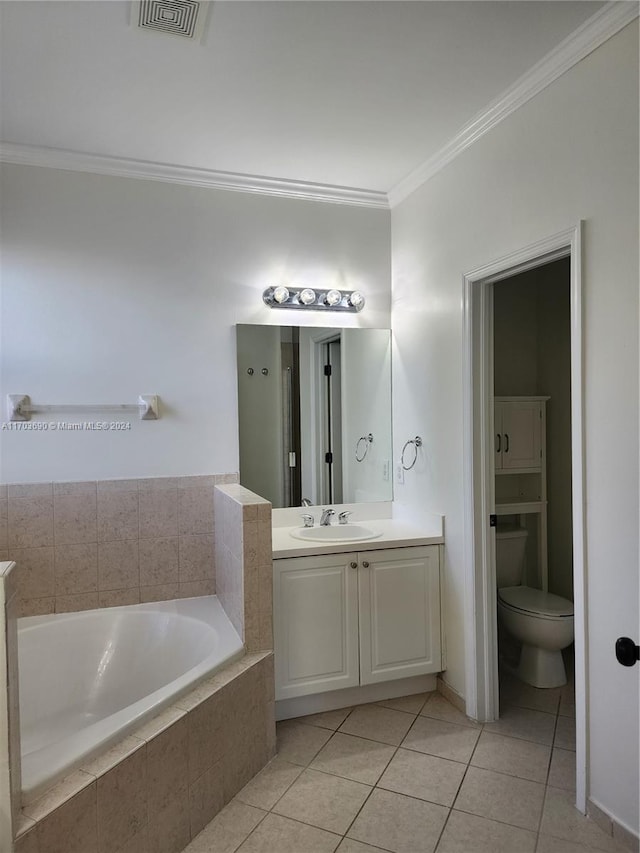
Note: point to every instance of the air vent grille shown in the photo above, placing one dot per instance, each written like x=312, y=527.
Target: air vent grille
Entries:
x=177, y=17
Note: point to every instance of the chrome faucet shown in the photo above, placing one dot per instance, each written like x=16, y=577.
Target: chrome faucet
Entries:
x=306, y=502
x=326, y=515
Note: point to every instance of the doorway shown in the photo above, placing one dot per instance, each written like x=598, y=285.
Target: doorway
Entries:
x=482, y=681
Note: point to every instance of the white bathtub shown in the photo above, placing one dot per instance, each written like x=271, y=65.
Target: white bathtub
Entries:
x=88, y=678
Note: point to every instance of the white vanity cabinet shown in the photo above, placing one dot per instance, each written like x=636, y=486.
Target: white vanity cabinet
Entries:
x=358, y=618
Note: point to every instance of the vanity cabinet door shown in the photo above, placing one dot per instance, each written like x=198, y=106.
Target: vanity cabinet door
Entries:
x=399, y=597
x=315, y=606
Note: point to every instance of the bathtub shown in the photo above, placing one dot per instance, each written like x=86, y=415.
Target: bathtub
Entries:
x=89, y=678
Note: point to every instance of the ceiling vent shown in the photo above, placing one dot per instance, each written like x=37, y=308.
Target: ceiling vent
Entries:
x=176, y=17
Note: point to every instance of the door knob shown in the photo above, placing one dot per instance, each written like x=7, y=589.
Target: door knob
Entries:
x=365, y=564
x=627, y=652
x=353, y=565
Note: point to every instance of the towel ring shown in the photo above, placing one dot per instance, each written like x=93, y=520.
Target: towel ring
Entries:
x=367, y=441
x=417, y=442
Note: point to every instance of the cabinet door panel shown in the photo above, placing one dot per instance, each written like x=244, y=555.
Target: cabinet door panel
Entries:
x=399, y=614
x=316, y=625
x=522, y=435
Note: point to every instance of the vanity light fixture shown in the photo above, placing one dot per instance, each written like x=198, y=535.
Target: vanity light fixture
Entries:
x=316, y=300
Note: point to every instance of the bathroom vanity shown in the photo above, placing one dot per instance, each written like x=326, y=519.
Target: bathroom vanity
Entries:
x=355, y=613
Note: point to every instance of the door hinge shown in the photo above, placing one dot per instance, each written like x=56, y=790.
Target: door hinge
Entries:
x=493, y=521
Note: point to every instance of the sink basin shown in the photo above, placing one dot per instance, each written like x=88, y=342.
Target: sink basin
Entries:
x=335, y=533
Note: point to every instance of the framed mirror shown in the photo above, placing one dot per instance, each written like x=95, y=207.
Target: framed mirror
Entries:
x=315, y=414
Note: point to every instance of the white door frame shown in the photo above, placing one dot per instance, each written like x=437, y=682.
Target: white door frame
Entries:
x=481, y=643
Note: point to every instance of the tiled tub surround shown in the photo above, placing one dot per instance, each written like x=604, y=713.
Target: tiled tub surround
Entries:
x=83, y=545
x=115, y=669
x=156, y=790
x=243, y=538
x=9, y=697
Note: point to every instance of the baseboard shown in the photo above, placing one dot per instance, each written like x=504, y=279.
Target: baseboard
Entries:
x=451, y=695
x=301, y=706
x=612, y=827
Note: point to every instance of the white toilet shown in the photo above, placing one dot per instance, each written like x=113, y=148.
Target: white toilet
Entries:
x=541, y=621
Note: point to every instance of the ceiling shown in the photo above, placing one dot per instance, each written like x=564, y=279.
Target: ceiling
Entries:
x=353, y=94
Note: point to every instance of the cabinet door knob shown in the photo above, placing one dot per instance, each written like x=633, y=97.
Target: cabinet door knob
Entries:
x=506, y=442
x=365, y=564
x=353, y=565
x=498, y=442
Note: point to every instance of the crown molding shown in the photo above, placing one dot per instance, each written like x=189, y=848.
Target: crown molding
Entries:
x=76, y=161
x=597, y=29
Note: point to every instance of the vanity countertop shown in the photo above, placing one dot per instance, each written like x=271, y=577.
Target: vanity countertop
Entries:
x=395, y=534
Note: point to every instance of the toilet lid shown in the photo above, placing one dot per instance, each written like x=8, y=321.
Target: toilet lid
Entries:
x=536, y=601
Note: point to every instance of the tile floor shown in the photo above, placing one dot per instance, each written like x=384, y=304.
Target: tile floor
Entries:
x=414, y=775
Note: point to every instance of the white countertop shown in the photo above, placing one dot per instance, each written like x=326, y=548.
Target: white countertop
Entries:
x=395, y=533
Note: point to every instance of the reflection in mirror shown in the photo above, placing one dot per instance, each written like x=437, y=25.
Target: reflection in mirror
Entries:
x=315, y=414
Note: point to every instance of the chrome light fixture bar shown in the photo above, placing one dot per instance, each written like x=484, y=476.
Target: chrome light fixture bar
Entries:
x=280, y=296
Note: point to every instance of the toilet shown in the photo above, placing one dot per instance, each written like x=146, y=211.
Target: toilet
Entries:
x=541, y=621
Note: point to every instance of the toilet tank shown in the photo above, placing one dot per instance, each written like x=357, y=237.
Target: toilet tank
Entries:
x=511, y=543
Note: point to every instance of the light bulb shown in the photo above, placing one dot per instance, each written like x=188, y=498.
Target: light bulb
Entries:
x=333, y=297
x=280, y=294
x=356, y=299
x=307, y=296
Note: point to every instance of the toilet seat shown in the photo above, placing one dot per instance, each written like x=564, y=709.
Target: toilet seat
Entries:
x=525, y=599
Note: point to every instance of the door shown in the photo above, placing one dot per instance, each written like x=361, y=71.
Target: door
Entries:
x=315, y=608
x=399, y=598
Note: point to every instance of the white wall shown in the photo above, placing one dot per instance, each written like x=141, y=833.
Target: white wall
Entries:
x=115, y=287
x=571, y=153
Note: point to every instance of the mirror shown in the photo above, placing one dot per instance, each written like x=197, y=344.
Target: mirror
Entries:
x=315, y=414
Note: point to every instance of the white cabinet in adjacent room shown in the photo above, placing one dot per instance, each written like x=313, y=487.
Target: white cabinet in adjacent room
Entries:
x=518, y=433
x=357, y=618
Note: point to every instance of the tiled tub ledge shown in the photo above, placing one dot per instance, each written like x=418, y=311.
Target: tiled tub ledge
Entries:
x=157, y=788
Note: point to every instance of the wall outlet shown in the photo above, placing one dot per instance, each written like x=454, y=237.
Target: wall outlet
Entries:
x=399, y=473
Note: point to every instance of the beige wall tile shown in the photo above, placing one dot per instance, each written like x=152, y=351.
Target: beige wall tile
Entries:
x=264, y=512
x=192, y=589
x=197, y=558
x=117, y=515
x=167, y=766
x=139, y=843
x=118, y=597
x=169, y=829
x=159, y=559
x=28, y=843
x=34, y=571
x=74, y=603
x=122, y=802
x=158, y=484
x=118, y=565
x=76, y=568
x=206, y=798
x=162, y=592
x=110, y=759
x=30, y=522
x=195, y=511
x=206, y=737
x=158, y=510
x=72, y=827
x=199, y=481
x=106, y=486
x=36, y=606
x=265, y=549
x=29, y=490
x=4, y=513
x=79, y=488
x=160, y=723
x=75, y=519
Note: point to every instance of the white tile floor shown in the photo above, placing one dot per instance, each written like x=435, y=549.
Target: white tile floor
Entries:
x=414, y=775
